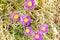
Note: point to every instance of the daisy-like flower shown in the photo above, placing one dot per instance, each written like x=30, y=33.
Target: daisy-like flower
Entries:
x=25, y=20
x=43, y=28
x=28, y=31
x=29, y=4
x=37, y=36
x=15, y=16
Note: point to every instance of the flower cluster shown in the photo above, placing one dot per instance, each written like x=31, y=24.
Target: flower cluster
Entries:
x=43, y=28
x=26, y=21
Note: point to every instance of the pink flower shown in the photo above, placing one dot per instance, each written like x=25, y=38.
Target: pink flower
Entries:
x=37, y=36
x=25, y=20
x=43, y=28
x=15, y=16
x=29, y=4
x=28, y=31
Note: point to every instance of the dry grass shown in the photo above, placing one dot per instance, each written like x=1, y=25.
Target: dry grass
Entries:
x=46, y=11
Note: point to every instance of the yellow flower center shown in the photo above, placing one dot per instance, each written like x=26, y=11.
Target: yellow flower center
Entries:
x=36, y=36
x=25, y=19
x=29, y=3
x=27, y=30
x=43, y=28
x=16, y=16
